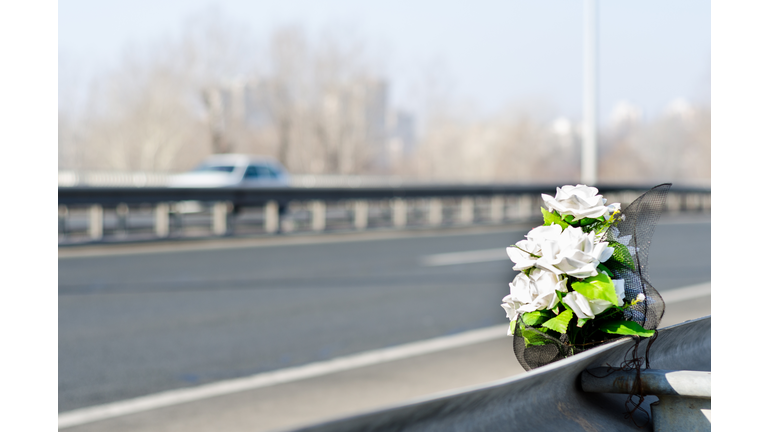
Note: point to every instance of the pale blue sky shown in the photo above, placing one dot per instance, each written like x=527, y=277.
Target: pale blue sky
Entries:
x=494, y=53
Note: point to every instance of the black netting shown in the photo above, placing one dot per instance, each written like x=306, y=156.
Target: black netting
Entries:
x=634, y=230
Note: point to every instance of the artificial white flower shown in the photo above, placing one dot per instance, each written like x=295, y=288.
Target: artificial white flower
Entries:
x=581, y=201
x=536, y=291
x=584, y=307
x=618, y=284
x=525, y=252
x=574, y=253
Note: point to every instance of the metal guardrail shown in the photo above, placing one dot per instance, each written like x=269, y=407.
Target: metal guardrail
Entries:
x=546, y=399
x=106, y=211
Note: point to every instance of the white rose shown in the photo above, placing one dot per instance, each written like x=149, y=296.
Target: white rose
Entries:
x=618, y=284
x=534, y=292
x=584, y=307
x=525, y=252
x=580, y=201
x=574, y=253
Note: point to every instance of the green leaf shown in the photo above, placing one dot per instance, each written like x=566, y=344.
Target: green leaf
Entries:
x=605, y=269
x=587, y=221
x=535, y=318
x=597, y=287
x=581, y=321
x=621, y=255
x=534, y=337
x=560, y=322
x=629, y=328
x=568, y=219
x=512, y=326
x=552, y=218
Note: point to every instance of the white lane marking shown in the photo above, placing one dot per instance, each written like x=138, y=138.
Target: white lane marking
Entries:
x=467, y=257
x=369, y=358
x=687, y=293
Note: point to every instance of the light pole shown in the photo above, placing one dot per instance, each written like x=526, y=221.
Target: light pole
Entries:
x=589, y=109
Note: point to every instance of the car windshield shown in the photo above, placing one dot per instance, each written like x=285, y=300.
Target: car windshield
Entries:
x=215, y=168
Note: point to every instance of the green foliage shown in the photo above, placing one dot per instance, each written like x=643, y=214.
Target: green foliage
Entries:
x=534, y=337
x=535, y=318
x=621, y=255
x=581, y=321
x=628, y=328
x=560, y=322
x=553, y=218
x=597, y=287
x=605, y=269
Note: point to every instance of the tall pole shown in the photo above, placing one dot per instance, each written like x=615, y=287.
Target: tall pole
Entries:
x=589, y=111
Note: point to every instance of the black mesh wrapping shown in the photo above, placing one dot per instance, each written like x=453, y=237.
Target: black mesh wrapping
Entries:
x=638, y=221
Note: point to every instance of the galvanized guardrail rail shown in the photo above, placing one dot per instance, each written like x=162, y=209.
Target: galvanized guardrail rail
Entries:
x=92, y=214
x=551, y=398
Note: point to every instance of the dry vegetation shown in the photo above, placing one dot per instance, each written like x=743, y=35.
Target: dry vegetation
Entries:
x=320, y=113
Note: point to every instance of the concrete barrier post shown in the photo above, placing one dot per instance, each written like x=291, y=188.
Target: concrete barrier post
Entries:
x=435, y=211
x=271, y=217
x=219, y=223
x=96, y=222
x=162, y=221
x=361, y=214
x=399, y=212
x=318, y=215
x=497, y=208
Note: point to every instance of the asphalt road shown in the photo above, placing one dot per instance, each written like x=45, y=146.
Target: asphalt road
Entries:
x=140, y=322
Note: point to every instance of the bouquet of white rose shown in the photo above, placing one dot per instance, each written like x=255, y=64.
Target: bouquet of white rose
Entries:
x=583, y=275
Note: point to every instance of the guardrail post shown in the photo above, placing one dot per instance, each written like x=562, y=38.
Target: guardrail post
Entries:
x=271, y=217
x=497, y=208
x=435, y=211
x=524, y=204
x=467, y=210
x=399, y=212
x=96, y=222
x=685, y=397
x=162, y=221
x=673, y=203
x=220, y=218
x=318, y=215
x=122, y=211
x=361, y=214
x=693, y=202
x=63, y=212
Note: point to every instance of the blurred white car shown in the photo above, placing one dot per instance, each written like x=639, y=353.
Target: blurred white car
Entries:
x=233, y=170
